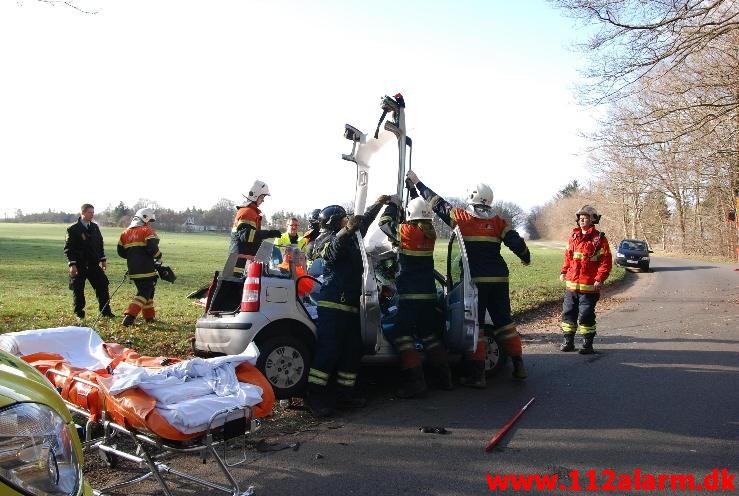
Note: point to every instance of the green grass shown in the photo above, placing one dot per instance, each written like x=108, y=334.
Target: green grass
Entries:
x=34, y=290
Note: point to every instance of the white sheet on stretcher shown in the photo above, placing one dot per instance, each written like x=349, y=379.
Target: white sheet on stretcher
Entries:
x=190, y=392
x=187, y=393
x=80, y=346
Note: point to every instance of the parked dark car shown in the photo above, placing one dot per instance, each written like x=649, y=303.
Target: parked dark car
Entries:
x=633, y=253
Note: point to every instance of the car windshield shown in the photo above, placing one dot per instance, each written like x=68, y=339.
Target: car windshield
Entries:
x=634, y=245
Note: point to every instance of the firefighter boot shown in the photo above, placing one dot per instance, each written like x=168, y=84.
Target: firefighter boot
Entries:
x=476, y=377
x=128, y=320
x=442, y=374
x=319, y=403
x=414, y=383
x=349, y=400
x=587, y=345
x=519, y=371
x=569, y=342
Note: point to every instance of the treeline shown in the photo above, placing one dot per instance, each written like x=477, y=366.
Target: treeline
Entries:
x=666, y=156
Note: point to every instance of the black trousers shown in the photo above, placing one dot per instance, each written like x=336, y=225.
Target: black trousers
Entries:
x=578, y=310
x=494, y=298
x=339, y=350
x=145, y=287
x=98, y=281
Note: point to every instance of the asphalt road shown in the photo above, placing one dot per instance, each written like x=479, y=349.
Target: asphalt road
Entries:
x=661, y=396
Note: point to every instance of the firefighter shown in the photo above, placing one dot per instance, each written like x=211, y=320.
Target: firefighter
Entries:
x=339, y=345
x=418, y=314
x=291, y=236
x=482, y=233
x=586, y=267
x=314, y=225
x=85, y=254
x=139, y=245
x=247, y=233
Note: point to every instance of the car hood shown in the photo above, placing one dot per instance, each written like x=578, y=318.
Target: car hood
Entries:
x=21, y=383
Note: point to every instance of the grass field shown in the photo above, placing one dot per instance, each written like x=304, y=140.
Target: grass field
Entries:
x=34, y=290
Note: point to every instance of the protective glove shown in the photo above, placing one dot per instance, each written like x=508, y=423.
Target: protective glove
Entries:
x=274, y=233
x=383, y=199
x=413, y=177
x=354, y=222
x=412, y=192
x=395, y=199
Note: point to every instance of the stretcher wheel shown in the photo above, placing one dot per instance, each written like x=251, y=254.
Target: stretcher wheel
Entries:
x=109, y=459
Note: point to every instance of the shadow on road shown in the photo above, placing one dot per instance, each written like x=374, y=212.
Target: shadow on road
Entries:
x=687, y=267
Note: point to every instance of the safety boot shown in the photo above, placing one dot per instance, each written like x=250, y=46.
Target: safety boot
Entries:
x=319, y=404
x=519, y=371
x=128, y=320
x=414, y=383
x=569, y=342
x=587, y=345
x=349, y=399
x=476, y=377
x=80, y=314
x=441, y=373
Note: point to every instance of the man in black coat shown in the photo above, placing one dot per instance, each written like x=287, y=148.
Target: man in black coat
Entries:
x=86, y=258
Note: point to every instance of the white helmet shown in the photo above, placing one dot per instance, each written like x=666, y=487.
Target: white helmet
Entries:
x=257, y=189
x=143, y=216
x=418, y=209
x=588, y=210
x=480, y=194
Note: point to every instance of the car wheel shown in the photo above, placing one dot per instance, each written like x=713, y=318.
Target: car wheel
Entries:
x=645, y=268
x=496, y=358
x=285, y=361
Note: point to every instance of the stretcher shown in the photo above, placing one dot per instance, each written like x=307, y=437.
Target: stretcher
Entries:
x=149, y=408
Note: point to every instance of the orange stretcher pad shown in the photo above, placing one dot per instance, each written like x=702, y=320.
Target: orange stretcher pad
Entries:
x=132, y=408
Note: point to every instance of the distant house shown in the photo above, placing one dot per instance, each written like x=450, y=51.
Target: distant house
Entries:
x=190, y=226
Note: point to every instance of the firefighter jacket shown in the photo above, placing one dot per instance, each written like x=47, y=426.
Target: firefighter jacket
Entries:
x=286, y=240
x=247, y=233
x=587, y=259
x=343, y=267
x=415, y=280
x=482, y=238
x=140, y=247
x=84, y=245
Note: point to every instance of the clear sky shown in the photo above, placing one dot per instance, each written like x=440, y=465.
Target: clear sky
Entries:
x=185, y=102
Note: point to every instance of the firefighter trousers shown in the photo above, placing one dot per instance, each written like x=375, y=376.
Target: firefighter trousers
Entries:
x=419, y=319
x=99, y=282
x=144, y=299
x=494, y=298
x=578, y=312
x=339, y=350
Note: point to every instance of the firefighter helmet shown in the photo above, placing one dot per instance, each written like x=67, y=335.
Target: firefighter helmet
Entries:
x=590, y=211
x=145, y=215
x=418, y=209
x=330, y=217
x=257, y=189
x=480, y=194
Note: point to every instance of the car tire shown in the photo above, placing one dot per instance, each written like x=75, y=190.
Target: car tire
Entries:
x=284, y=359
x=496, y=357
x=644, y=267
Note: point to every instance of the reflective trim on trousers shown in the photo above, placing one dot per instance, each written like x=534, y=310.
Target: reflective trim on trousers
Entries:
x=318, y=377
x=337, y=306
x=490, y=279
x=568, y=328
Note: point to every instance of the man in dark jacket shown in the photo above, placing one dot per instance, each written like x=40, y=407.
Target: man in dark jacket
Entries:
x=339, y=347
x=86, y=258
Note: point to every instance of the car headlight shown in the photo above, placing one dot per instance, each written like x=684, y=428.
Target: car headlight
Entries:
x=644, y=258
x=619, y=255
x=36, y=451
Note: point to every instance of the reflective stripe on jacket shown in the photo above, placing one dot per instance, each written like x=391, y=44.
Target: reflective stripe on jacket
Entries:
x=140, y=247
x=285, y=240
x=587, y=259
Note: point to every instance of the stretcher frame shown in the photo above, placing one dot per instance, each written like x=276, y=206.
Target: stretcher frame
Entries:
x=150, y=449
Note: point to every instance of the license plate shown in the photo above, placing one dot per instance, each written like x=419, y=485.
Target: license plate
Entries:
x=632, y=261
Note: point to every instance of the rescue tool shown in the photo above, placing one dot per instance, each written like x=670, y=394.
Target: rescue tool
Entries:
x=504, y=430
